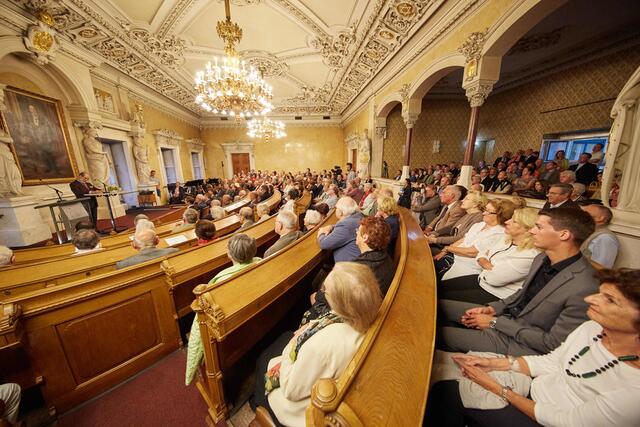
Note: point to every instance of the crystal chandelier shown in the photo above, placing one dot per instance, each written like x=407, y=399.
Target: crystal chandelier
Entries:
x=228, y=86
x=266, y=129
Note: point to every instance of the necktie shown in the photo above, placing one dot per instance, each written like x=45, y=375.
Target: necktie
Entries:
x=442, y=214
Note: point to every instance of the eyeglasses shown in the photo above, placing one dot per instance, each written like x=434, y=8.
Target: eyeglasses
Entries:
x=486, y=212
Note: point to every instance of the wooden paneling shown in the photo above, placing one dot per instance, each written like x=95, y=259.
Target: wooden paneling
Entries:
x=125, y=330
x=240, y=163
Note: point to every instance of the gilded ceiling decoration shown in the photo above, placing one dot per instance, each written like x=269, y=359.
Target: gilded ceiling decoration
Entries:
x=317, y=57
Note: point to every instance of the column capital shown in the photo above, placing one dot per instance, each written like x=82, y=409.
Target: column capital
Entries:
x=478, y=92
x=410, y=119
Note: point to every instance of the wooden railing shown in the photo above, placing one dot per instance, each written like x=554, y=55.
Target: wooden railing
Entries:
x=387, y=381
x=236, y=313
x=83, y=337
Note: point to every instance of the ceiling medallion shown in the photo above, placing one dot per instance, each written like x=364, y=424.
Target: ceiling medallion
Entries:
x=266, y=129
x=385, y=34
x=406, y=9
x=228, y=86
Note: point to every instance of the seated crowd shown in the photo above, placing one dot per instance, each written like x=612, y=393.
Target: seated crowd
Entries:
x=536, y=326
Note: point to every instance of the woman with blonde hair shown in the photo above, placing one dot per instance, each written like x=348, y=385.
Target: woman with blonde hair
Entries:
x=321, y=348
x=505, y=265
x=388, y=209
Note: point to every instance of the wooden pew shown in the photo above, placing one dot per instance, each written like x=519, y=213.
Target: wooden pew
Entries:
x=24, y=256
x=236, y=313
x=387, y=381
x=83, y=337
x=56, y=271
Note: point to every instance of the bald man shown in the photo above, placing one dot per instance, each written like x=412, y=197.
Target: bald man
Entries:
x=145, y=241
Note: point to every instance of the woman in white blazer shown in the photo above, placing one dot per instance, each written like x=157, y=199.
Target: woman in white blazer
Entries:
x=504, y=265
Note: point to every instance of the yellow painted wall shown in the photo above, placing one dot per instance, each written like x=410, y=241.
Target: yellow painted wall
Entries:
x=358, y=124
x=304, y=147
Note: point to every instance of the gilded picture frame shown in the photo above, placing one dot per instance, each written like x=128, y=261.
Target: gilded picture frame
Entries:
x=40, y=138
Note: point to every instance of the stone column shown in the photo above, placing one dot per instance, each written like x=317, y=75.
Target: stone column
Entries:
x=476, y=94
x=20, y=223
x=409, y=121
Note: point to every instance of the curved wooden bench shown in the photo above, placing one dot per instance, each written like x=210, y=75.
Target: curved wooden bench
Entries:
x=24, y=256
x=234, y=314
x=58, y=271
x=84, y=337
x=387, y=381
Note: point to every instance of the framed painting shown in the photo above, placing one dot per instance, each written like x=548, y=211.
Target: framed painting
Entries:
x=40, y=140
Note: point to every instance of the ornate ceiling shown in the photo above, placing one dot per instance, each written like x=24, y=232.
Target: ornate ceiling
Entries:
x=318, y=54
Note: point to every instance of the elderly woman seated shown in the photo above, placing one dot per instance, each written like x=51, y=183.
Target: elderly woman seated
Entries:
x=458, y=259
x=592, y=379
x=263, y=212
x=241, y=250
x=311, y=219
x=205, y=232
x=388, y=209
x=320, y=349
x=504, y=266
x=473, y=204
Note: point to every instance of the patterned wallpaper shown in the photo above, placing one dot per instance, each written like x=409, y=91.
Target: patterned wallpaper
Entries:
x=577, y=98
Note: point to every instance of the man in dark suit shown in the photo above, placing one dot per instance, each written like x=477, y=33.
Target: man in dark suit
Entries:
x=504, y=159
x=550, y=305
x=559, y=196
x=145, y=241
x=586, y=172
x=82, y=188
x=177, y=195
x=530, y=156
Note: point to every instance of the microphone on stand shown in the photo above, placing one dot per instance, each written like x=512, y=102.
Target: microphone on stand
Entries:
x=103, y=185
x=58, y=192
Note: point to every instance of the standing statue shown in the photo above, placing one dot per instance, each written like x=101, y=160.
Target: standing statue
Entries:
x=10, y=178
x=141, y=157
x=364, y=156
x=97, y=162
x=138, y=116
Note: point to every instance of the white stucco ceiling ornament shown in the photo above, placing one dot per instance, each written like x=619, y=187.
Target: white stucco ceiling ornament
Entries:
x=269, y=64
x=41, y=38
x=335, y=48
x=242, y=2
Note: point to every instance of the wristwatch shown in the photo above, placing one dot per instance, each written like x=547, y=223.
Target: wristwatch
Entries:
x=503, y=393
x=492, y=323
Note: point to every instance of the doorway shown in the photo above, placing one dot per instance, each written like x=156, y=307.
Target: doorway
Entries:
x=354, y=158
x=240, y=162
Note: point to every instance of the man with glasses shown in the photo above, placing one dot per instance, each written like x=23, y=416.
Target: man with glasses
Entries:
x=559, y=196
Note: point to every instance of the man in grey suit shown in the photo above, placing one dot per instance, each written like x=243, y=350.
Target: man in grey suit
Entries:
x=550, y=305
x=145, y=241
x=427, y=204
x=451, y=210
x=287, y=228
x=246, y=217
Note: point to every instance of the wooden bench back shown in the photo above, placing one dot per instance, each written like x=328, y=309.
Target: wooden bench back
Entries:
x=387, y=381
x=86, y=336
x=236, y=313
x=56, y=271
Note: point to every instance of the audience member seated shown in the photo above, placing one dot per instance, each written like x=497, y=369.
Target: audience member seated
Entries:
x=263, y=212
x=388, y=209
x=10, y=395
x=140, y=217
x=591, y=379
x=427, y=204
x=341, y=237
x=217, y=212
x=189, y=219
x=246, y=217
x=86, y=225
x=311, y=219
x=319, y=349
x=549, y=306
x=577, y=194
x=524, y=182
x=451, y=210
x=323, y=209
x=7, y=256
x=404, y=196
x=561, y=160
x=486, y=180
x=177, y=195
x=585, y=171
x=559, y=196
x=145, y=241
x=373, y=238
x=241, y=250
x=458, y=259
x=214, y=203
x=368, y=196
x=473, y=204
x=286, y=226
x=290, y=200
x=87, y=241
x=502, y=185
x=226, y=200
x=505, y=265
x=205, y=231
x=567, y=177
x=145, y=224
x=551, y=173
x=332, y=197
x=354, y=191
x=602, y=246
x=539, y=190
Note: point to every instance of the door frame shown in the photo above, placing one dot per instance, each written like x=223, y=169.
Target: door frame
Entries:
x=237, y=147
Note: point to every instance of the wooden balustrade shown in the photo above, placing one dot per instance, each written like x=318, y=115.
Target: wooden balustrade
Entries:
x=236, y=313
x=387, y=381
